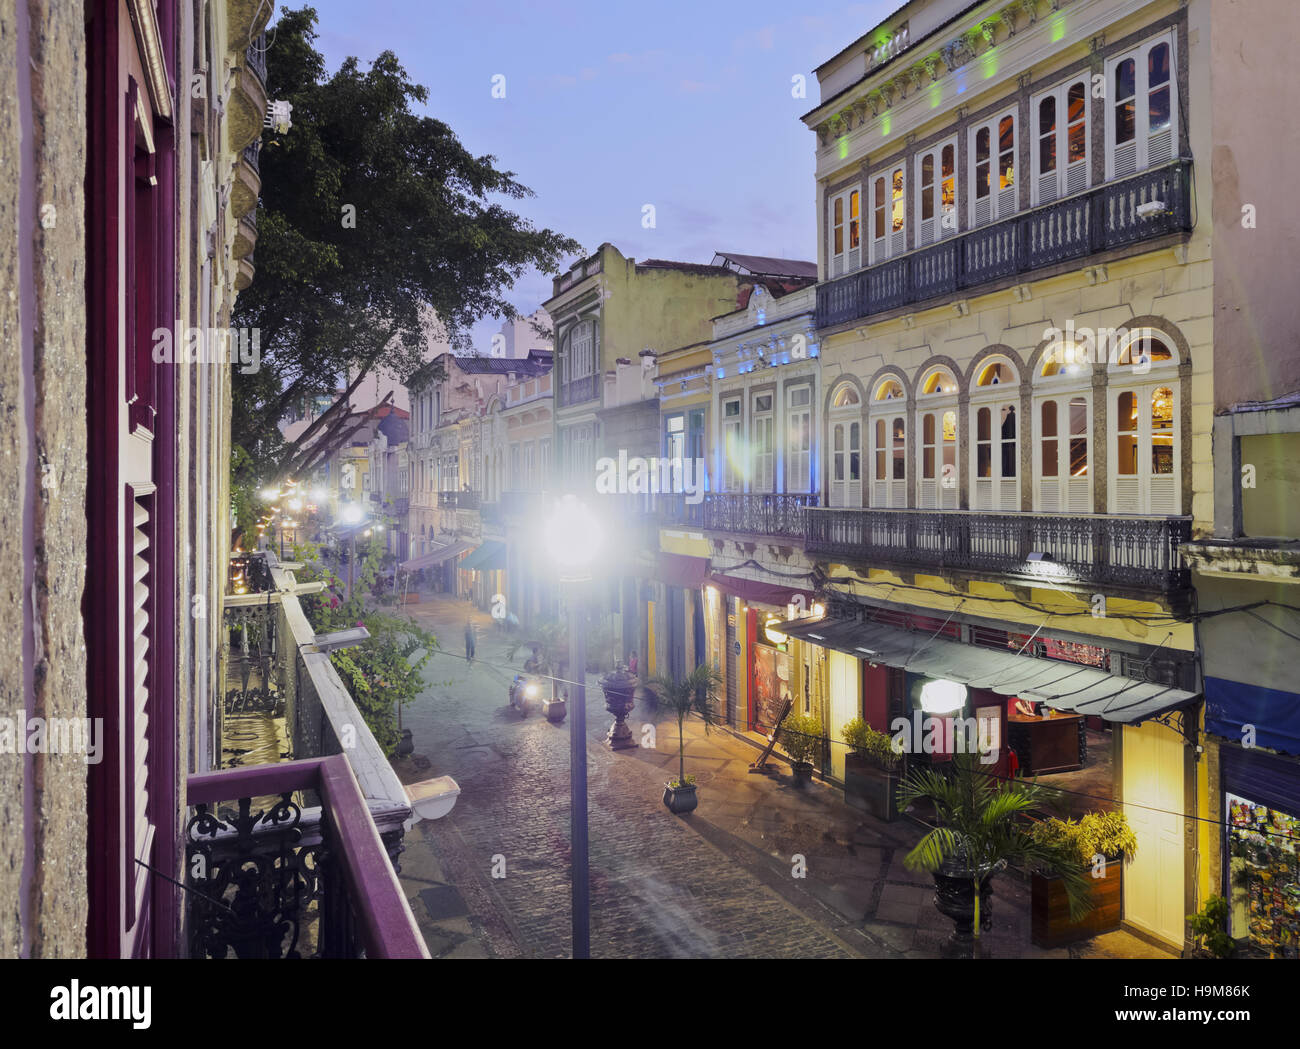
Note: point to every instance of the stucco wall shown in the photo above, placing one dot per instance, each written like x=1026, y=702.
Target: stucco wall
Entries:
x=42, y=470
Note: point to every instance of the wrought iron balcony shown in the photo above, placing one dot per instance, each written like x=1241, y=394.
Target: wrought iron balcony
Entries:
x=1088, y=223
x=251, y=153
x=255, y=53
x=401, y=505
x=578, y=391
x=270, y=878
x=1128, y=552
x=778, y=514
x=453, y=500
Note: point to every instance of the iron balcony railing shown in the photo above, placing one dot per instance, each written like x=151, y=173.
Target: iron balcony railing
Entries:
x=779, y=514
x=453, y=500
x=268, y=878
x=1134, y=552
x=578, y=390
x=251, y=153
x=255, y=53
x=401, y=505
x=1094, y=221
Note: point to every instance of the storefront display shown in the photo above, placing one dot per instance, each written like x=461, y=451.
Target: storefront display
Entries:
x=771, y=685
x=1264, y=869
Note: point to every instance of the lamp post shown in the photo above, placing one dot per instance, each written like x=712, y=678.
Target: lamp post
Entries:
x=351, y=515
x=573, y=540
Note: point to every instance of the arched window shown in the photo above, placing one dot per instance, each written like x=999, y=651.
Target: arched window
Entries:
x=937, y=451
x=1062, y=429
x=888, y=429
x=1144, y=437
x=995, y=453
x=846, y=447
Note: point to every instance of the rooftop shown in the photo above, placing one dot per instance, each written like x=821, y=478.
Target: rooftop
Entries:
x=764, y=265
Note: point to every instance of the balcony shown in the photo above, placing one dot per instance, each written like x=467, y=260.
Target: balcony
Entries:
x=1135, y=553
x=578, y=391
x=1089, y=223
x=776, y=514
x=453, y=500
x=401, y=505
x=248, y=99
x=270, y=878
x=491, y=513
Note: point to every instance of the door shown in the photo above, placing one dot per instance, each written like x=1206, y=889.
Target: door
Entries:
x=730, y=610
x=1153, y=803
x=846, y=463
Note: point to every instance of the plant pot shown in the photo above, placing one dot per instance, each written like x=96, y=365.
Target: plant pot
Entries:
x=954, y=897
x=680, y=800
x=870, y=788
x=1050, y=924
x=554, y=709
x=803, y=771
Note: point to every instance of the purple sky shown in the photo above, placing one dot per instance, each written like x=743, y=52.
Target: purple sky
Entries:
x=609, y=106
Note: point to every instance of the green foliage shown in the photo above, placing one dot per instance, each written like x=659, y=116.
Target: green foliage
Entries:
x=980, y=829
x=334, y=299
x=1096, y=834
x=380, y=673
x=866, y=742
x=686, y=781
x=696, y=693
x=801, y=736
x=1209, y=928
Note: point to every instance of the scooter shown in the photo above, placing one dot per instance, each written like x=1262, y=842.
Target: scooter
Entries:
x=523, y=690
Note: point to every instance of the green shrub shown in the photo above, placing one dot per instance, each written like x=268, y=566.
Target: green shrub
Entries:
x=1095, y=834
x=801, y=736
x=1207, y=927
x=866, y=742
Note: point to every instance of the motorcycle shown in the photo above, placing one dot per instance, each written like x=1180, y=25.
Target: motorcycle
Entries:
x=524, y=690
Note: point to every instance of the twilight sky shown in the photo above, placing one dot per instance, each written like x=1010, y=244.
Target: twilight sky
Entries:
x=685, y=105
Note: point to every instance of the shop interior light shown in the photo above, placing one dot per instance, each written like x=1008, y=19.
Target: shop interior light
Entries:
x=773, y=635
x=942, y=697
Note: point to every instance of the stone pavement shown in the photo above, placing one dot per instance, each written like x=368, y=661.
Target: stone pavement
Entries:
x=720, y=882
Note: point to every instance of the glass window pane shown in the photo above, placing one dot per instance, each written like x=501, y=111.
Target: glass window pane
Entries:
x=1047, y=153
x=927, y=170
x=1078, y=416
x=948, y=163
x=1126, y=412
x=1125, y=122
x=927, y=429
x=1158, y=118
x=855, y=466
x=1078, y=146
x=1048, y=429
x=1075, y=102
x=982, y=145
x=1158, y=65
x=900, y=464
x=898, y=200
x=1047, y=115
x=1125, y=79
x=983, y=460
x=1079, y=457
x=983, y=424
x=855, y=437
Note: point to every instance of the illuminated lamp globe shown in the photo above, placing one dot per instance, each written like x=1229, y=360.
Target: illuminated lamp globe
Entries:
x=269, y=494
x=942, y=697
x=573, y=538
x=351, y=513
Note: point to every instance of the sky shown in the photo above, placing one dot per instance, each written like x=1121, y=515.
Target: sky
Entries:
x=609, y=107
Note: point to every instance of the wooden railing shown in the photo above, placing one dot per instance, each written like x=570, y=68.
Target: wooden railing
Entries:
x=1094, y=221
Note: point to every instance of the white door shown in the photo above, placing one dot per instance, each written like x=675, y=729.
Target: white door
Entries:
x=845, y=701
x=1153, y=803
x=846, y=463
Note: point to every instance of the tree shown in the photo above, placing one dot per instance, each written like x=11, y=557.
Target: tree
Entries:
x=373, y=220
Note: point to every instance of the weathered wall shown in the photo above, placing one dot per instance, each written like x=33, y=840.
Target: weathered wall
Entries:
x=42, y=469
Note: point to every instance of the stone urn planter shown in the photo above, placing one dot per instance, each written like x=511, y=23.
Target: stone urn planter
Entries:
x=870, y=787
x=619, y=686
x=555, y=708
x=954, y=897
x=680, y=800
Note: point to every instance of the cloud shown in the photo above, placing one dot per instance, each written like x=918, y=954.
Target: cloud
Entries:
x=694, y=86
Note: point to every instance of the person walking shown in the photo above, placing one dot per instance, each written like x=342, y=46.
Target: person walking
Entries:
x=469, y=641
x=631, y=663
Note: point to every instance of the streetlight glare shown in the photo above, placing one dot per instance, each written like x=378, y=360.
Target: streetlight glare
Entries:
x=351, y=513
x=574, y=535
x=270, y=493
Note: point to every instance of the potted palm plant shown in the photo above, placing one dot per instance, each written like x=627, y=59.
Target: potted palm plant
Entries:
x=1101, y=842
x=872, y=770
x=696, y=693
x=979, y=832
x=801, y=739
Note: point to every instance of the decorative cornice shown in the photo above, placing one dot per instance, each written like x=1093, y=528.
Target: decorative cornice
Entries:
x=149, y=40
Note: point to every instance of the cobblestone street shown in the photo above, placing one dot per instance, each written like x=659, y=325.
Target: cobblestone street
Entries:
x=716, y=883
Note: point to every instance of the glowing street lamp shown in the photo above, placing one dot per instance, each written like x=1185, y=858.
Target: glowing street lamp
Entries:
x=573, y=538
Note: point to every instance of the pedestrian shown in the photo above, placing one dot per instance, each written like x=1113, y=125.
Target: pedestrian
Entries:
x=469, y=641
x=631, y=663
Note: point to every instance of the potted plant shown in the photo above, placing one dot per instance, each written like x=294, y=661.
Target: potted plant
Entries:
x=801, y=739
x=979, y=833
x=696, y=693
x=1208, y=927
x=1101, y=843
x=872, y=770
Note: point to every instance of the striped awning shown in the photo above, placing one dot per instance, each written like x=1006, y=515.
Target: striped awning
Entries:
x=1062, y=686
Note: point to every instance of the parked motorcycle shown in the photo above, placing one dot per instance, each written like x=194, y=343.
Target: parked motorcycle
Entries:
x=523, y=691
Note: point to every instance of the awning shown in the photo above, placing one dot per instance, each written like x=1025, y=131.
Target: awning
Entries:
x=757, y=593
x=490, y=555
x=682, y=570
x=1062, y=686
x=434, y=557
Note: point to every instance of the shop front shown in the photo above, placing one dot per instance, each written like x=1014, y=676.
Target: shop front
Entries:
x=1261, y=815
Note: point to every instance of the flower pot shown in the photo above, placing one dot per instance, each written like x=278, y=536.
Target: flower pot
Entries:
x=680, y=800
x=870, y=788
x=1050, y=924
x=554, y=709
x=803, y=771
x=954, y=897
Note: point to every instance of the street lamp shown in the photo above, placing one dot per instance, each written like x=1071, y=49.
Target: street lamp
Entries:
x=573, y=538
x=352, y=515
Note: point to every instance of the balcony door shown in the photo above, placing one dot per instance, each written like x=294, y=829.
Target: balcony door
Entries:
x=845, y=426
x=1061, y=142
x=888, y=214
x=937, y=487
x=936, y=180
x=995, y=451
x=1144, y=450
x=1062, y=466
x=993, y=170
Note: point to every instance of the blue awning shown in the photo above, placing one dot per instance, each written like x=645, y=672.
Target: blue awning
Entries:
x=1274, y=715
x=489, y=556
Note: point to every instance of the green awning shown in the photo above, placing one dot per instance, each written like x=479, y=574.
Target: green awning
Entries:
x=491, y=555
